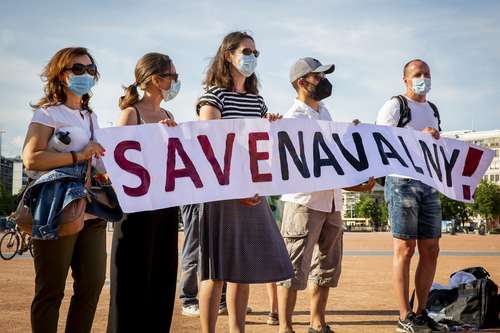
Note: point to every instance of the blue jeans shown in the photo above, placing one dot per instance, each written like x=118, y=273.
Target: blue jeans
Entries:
x=414, y=209
x=189, y=277
x=190, y=257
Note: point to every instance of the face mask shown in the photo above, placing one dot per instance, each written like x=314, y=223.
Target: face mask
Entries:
x=421, y=86
x=320, y=91
x=80, y=84
x=169, y=94
x=247, y=64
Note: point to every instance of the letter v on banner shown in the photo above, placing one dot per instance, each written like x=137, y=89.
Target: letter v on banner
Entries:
x=206, y=146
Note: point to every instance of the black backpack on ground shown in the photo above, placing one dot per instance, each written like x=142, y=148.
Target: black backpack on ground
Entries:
x=405, y=118
x=476, y=303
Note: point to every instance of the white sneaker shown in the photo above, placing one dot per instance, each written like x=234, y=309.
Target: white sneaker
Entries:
x=192, y=310
x=223, y=309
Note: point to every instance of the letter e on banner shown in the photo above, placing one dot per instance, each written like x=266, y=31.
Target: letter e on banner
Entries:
x=256, y=156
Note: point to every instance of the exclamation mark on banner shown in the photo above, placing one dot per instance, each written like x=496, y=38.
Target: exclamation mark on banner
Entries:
x=471, y=163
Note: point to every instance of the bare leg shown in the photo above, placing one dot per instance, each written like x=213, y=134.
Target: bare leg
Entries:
x=319, y=297
x=403, y=252
x=272, y=294
x=286, y=303
x=237, y=301
x=209, y=295
x=428, y=251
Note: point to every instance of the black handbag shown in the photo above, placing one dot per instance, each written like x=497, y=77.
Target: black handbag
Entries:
x=102, y=199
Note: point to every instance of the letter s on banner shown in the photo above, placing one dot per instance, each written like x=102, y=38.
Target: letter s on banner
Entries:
x=133, y=168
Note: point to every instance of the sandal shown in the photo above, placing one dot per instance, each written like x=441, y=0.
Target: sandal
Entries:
x=272, y=319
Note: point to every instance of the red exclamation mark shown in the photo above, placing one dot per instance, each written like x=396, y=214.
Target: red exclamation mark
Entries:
x=471, y=163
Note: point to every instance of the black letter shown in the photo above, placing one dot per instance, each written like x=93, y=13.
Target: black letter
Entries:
x=417, y=168
x=285, y=142
x=319, y=162
x=448, y=165
x=379, y=139
x=362, y=163
x=428, y=158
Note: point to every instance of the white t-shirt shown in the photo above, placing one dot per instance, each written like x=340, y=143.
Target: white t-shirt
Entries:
x=320, y=200
x=61, y=116
x=422, y=115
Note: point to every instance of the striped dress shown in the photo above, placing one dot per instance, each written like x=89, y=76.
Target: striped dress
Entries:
x=238, y=243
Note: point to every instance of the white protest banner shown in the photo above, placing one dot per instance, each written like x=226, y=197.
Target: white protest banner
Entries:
x=154, y=166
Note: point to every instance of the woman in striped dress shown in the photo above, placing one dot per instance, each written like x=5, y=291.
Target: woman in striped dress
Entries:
x=239, y=240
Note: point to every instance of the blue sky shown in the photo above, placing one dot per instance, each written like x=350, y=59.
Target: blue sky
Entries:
x=368, y=41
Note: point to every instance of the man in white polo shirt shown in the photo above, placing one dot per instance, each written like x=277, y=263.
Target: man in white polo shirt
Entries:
x=312, y=220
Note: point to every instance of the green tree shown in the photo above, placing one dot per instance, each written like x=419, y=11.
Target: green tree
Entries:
x=368, y=207
x=487, y=200
x=384, y=212
x=7, y=202
x=453, y=209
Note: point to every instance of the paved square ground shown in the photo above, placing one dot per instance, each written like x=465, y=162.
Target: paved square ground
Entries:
x=364, y=301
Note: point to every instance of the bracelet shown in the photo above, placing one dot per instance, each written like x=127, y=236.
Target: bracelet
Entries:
x=74, y=157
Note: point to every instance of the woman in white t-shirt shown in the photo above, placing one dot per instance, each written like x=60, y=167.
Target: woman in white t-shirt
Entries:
x=68, y=77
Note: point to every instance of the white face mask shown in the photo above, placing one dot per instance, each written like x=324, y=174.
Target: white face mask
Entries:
x=421, y=86
x=170, y=94
x=247, y=64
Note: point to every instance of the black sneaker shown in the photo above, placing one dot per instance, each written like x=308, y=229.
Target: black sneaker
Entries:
x=325, y=329
x=412, y=324
x=431, y=323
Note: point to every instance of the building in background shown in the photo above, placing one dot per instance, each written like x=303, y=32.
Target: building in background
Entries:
x=350, y=199
x=487, y=139
x=12, y=176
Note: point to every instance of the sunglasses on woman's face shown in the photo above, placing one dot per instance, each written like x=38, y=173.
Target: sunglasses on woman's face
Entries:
x=247, y=51
x=79, y=69
x=174, y=76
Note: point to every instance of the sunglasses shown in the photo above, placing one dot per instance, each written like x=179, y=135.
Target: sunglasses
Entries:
x=79, y=69
x=247, y=51
x=174, y=76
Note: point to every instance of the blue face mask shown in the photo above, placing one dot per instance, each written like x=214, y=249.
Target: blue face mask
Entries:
x=247, y=64
x=81, y=84
x=421, y=86
x=172, y=92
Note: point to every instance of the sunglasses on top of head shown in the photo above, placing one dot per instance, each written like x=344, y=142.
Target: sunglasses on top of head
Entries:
x=79, y=69
x=247, y=51
x=174, y=76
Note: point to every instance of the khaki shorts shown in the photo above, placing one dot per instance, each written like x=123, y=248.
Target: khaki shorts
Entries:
x=314, y=243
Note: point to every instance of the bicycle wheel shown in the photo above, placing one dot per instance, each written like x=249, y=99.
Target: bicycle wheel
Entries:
x=9, y=244
x=30, y=246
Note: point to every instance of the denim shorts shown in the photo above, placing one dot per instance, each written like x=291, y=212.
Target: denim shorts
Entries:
x=414, y=209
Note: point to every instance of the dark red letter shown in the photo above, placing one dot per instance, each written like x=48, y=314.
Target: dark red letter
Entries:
x=256, y=156
x=222, y=177
x=174, y=144
x=133, y=168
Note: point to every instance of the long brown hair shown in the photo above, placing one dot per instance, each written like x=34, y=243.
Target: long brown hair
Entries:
x=146, y=67
x=52, y=73
x=219, y=70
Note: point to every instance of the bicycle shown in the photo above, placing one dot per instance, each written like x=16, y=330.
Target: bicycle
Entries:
x=15, y=242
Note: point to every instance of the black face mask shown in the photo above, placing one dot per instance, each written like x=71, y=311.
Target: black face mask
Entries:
x=320, y=91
